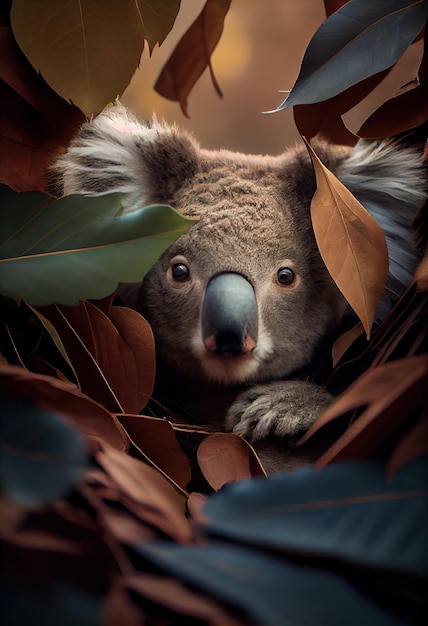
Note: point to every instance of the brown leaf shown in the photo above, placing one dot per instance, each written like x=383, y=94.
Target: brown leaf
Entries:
x=192, y=54
x=148, y=487
x=421, y=274
x=391, y=391
x=331, y=6
x=227, y=458
x=195, y=505
x=407, y=110
x=413, y=444
x=35, y=123
x=90, y=418
x=135, y=331
x=91, y=379
x=171, y=593
x=404, y=112
x=325, y=117
x=117, y=608
x=351, y=243
x=345, y=341
x=156, y=439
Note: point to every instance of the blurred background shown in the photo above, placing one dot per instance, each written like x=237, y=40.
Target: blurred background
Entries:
x=259, y=54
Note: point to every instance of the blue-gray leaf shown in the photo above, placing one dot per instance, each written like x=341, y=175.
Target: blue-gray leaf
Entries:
x=362, y=38
x=41, y=456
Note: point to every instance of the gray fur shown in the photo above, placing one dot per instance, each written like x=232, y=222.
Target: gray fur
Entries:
x=253, y=220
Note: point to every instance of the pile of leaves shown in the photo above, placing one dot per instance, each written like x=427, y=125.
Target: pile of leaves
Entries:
x=109, y=514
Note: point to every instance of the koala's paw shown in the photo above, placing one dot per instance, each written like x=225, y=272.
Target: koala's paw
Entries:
x=280, y=409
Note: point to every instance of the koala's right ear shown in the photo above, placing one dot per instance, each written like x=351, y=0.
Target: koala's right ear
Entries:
x=116, y=153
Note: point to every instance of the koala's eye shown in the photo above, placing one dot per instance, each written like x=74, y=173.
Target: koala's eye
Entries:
x=180, y=272
x=285, y=276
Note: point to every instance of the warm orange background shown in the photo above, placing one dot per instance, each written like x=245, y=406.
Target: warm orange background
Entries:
x=259, y=54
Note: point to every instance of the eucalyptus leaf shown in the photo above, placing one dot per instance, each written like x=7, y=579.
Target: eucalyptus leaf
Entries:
x=349, y=512
x=78, y=247
x=360, y=39
x=41, y=456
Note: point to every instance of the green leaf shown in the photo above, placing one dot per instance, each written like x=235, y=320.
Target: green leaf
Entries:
x=41, y=456
x=78, y=247
x=88, y=51
x=359, y=40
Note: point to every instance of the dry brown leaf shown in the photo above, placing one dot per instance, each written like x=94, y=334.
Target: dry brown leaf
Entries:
x=148, y=487
x=404, y=112
x=413, y=444
x=118, y=609
x=195, y=505
x=176, y=596
x=192, y=54
x=135, y=331
x=156, y=439
x=421, y=274
x=89, y=375
x=345, y=341
x=391, y=391
x=351, y=243
x=89, y=417
x=325, y=117
x=227, y=458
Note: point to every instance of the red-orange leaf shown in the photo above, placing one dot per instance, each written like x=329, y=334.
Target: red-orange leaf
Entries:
x=391, y=391
x=351, y=243
x=226, y=458
x=192, y=54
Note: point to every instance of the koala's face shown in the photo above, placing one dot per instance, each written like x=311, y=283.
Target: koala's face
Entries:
x=244, y=295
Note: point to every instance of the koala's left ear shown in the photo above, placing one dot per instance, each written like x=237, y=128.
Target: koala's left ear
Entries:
x=116, y=153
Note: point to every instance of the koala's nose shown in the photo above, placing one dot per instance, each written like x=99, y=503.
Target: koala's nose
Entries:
x=229, y=315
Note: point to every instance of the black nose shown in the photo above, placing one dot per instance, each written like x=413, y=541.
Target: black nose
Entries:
x=229, y=343
x=229, y=315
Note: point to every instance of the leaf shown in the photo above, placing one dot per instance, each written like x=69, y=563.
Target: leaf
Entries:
x=404, y=112
x=407, y=110
x=421, y=274
x=351, y=243
x=90, y=378
x=226, y=458
x=35, y=121
x=411, y=445
x=192, y=54
x=345, y=341
x=357, y=41
x=175, y=596
x=41, y=456
x=325, y=117
x=87, y=52
x=391, y=391
x=156, y=440
x=266, y=589
x=348, y=512
x=148, y=487
x=78, y=247
x=138, y=335
x=157, y=19
x=129, y=373
x=53, y=395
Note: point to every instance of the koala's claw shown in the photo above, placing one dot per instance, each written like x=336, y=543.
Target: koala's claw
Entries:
x=280, y=409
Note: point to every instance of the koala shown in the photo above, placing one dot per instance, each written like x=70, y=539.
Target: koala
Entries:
x=242, y=306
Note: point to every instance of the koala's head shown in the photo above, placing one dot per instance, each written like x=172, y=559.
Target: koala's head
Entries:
x=243, y=296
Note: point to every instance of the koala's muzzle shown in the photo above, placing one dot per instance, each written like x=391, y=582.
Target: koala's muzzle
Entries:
x=229, y=316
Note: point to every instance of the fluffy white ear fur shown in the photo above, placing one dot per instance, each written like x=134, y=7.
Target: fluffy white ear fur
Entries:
x=107, y=156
